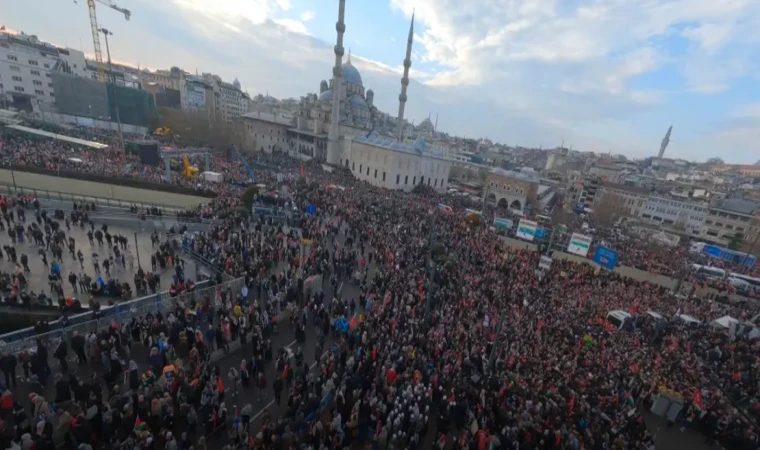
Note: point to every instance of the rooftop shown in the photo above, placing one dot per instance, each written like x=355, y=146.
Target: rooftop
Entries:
x=420, y=147
x=625, y=188
x=738, y=205
x=529, y=177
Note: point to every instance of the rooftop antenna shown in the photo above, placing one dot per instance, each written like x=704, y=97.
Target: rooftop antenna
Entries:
x=435, y=127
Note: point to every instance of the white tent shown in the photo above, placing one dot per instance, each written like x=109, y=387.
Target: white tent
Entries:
x=726, y=321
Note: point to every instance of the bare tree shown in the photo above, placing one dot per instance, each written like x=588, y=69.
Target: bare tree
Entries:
x=608, y=208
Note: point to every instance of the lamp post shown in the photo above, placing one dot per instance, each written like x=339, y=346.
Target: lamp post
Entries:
x=112, y=77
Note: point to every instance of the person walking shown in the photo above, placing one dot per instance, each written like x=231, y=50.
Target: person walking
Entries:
x=277, y=386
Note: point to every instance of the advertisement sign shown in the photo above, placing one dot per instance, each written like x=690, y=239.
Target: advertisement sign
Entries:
x=540, y=233
x=579, y=244
x=545, y=263
x=501, y=223
x=526, y=229
x=606, y=257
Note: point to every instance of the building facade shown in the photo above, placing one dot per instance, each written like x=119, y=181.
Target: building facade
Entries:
x=682, y=215
x=384, y=162
x=626, y=200
x=511, y=189
x=728, y=217
x=265, y=132
x=26, y=65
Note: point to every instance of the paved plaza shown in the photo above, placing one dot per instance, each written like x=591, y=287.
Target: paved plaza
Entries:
x=38, y=275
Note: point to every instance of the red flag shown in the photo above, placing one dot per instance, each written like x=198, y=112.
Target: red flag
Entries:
x=303, y=171
x=697, y=400
x=138, y=422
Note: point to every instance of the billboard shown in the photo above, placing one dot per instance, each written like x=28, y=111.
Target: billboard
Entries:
x=606, y=257
x=579, y=244
x=501, y=223
x=526, y=229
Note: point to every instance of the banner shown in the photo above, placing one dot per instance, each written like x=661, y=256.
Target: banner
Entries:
x=501, y=223
x=526, y=229
x=606, y=257
x=579, y=244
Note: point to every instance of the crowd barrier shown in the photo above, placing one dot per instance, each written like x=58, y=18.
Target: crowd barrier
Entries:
x=27, y=338
x=126, y=182
x=43, y=194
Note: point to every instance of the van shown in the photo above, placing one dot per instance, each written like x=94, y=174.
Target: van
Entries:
x=617, y=318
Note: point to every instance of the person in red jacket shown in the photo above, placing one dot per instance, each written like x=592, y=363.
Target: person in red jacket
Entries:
x=390, y=376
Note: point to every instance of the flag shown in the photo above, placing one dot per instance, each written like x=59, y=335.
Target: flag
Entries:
x=138, y=424
x=697, y=400
x=303, y=171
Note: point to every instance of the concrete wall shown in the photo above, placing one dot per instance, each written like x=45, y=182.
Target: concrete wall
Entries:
x=88, y=188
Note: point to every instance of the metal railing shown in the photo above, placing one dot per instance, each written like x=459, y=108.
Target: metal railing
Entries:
x=9, y=189
x=26, y=339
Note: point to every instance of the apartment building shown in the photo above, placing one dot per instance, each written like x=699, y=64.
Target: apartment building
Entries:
x=688, y=216
x=626, y=200
x=728, y=217
x=26, y=64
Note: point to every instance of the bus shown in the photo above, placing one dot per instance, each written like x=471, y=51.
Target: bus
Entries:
x=708, y=272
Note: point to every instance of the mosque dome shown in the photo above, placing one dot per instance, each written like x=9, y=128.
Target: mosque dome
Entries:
x=236, y=83
x=358, y=102
x=326, y=96
x=351, y=74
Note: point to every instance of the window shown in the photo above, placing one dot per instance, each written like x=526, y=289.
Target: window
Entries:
x=52, y=94
x=422, y=180
x=709, y=222
x=398, y=178
x=383, y=176
x=15, y=69
x=360, y=168
x=406, y=179
x=47, y=75
x=37, y=82
x=436, y=183
x=15, y=78
x=367, y=171
x=50, y=85
x=18, y=89
x=414, y=180
x=375, y=173
x=12, y=58
x=428, y=181
x=712, y=233
x=35, y=72
x=39, y=92
x=34, y=63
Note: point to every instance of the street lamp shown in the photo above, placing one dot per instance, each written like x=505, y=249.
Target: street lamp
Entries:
x=112, y=77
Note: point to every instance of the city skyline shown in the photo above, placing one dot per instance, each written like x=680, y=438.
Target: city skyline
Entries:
x=530, y=76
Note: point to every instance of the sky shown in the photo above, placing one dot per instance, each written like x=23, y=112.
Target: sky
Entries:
x=598, y=75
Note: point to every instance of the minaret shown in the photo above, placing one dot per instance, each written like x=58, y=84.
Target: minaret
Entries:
x=333, y=137
x=665, y=142
x=405, y=81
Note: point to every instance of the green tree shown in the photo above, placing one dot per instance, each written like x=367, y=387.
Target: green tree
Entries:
x=249, y=195
x=735, y=241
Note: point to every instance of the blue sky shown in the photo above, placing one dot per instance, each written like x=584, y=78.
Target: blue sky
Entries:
x=601, y=75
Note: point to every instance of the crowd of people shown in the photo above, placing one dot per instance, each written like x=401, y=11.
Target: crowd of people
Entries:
x=472, y=347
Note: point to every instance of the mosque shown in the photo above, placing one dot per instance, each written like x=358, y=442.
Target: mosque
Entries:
x=342, y=127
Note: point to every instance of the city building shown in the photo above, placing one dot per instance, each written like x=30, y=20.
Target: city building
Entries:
x=557, y=160
x=26, y=64
x=608, y=173
x=728, y=217
x=511, y=189
x=624, y=200
x=385, y=162
x=686, y=216
x=266, y=132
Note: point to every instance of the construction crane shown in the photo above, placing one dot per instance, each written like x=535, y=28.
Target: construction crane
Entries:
x=95, y=31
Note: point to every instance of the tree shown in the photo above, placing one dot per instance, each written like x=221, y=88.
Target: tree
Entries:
x=715, y=161
x=249, y=196
x=608, y=208
x=735, y=241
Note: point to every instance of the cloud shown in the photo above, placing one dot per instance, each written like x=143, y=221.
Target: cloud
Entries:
x=292, y=25
x=307, y=16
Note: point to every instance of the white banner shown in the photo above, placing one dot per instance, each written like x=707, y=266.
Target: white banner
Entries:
x=526, y=229
x=579, y=244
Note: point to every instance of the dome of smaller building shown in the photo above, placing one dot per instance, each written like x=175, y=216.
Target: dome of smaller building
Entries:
x=358, y=102
x=236, y=83
x=326, y=96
